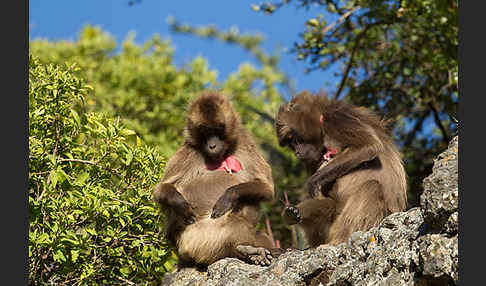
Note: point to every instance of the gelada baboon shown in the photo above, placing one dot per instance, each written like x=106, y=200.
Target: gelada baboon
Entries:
x=212, y=187
x=358, y=176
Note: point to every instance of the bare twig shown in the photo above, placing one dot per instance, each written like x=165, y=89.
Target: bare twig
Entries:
x=42, y=193
x=113, y=171
x=269, y=230
x=123, y=202
x=262, y=114
x=79, y=161
x=101, y=158
x=284, y=202
x=56, y=129
x=126, y=280
x=340, y=20
x=39, y=173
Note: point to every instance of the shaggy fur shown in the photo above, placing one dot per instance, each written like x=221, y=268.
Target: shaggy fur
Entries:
x=356, y=189
x=212, y=212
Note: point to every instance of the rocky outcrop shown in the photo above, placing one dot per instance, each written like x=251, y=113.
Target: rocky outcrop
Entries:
x=439, y=201
x=416, y=247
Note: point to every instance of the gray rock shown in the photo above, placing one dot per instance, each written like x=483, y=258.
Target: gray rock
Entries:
x=389, y=253
x=439, y=256
x=439, y=199
x=416, y=247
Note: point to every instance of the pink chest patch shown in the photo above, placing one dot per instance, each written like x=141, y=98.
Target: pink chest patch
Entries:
x=230, y=165
x=330, y=153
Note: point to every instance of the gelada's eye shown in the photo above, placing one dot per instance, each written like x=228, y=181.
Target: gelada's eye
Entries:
x=221, y=133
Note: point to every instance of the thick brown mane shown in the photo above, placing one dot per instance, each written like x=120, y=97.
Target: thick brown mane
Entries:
x=211, y=212
x=364, y=182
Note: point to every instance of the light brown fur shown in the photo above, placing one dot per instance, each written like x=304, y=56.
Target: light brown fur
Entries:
x=362, y=184
x=209, y=239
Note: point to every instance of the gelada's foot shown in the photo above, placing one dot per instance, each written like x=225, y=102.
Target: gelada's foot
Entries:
x=256, y=255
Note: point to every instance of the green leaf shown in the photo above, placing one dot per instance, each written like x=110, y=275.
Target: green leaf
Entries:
x=106, y=213
x=127, y=132
x=125, y=271
x=129, y=157
x=74, y=255
x=69, y=241
x=54, y=177
x=91, y=231
x=43, y=238
x=81, y=179
x=313, y=22
x=62, y=176
x=59, y=256
x=76, y=117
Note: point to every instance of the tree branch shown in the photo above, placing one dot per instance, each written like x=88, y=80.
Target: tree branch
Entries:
x=80, y=161
x=269, y=230
x=90, y=163
x=438, y=122
x=351, y=60
x=417, y=127
x=265, y=116
x=340, y=20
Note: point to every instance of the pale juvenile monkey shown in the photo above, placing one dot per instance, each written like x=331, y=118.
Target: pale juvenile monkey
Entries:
x=358, y=176
x=212, y=187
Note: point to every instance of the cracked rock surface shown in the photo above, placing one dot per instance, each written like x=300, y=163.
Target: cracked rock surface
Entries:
x=416, y=247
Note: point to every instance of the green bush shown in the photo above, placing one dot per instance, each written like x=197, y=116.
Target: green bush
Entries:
x=92, y=220
x=142, y=86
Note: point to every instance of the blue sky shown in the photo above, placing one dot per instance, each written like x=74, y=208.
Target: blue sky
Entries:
x=61, y=19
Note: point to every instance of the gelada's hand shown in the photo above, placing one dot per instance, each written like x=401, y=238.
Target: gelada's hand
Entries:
x=224, y=204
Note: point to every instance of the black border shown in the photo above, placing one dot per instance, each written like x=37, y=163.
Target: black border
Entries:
x=15, y=212
x=471, y=112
